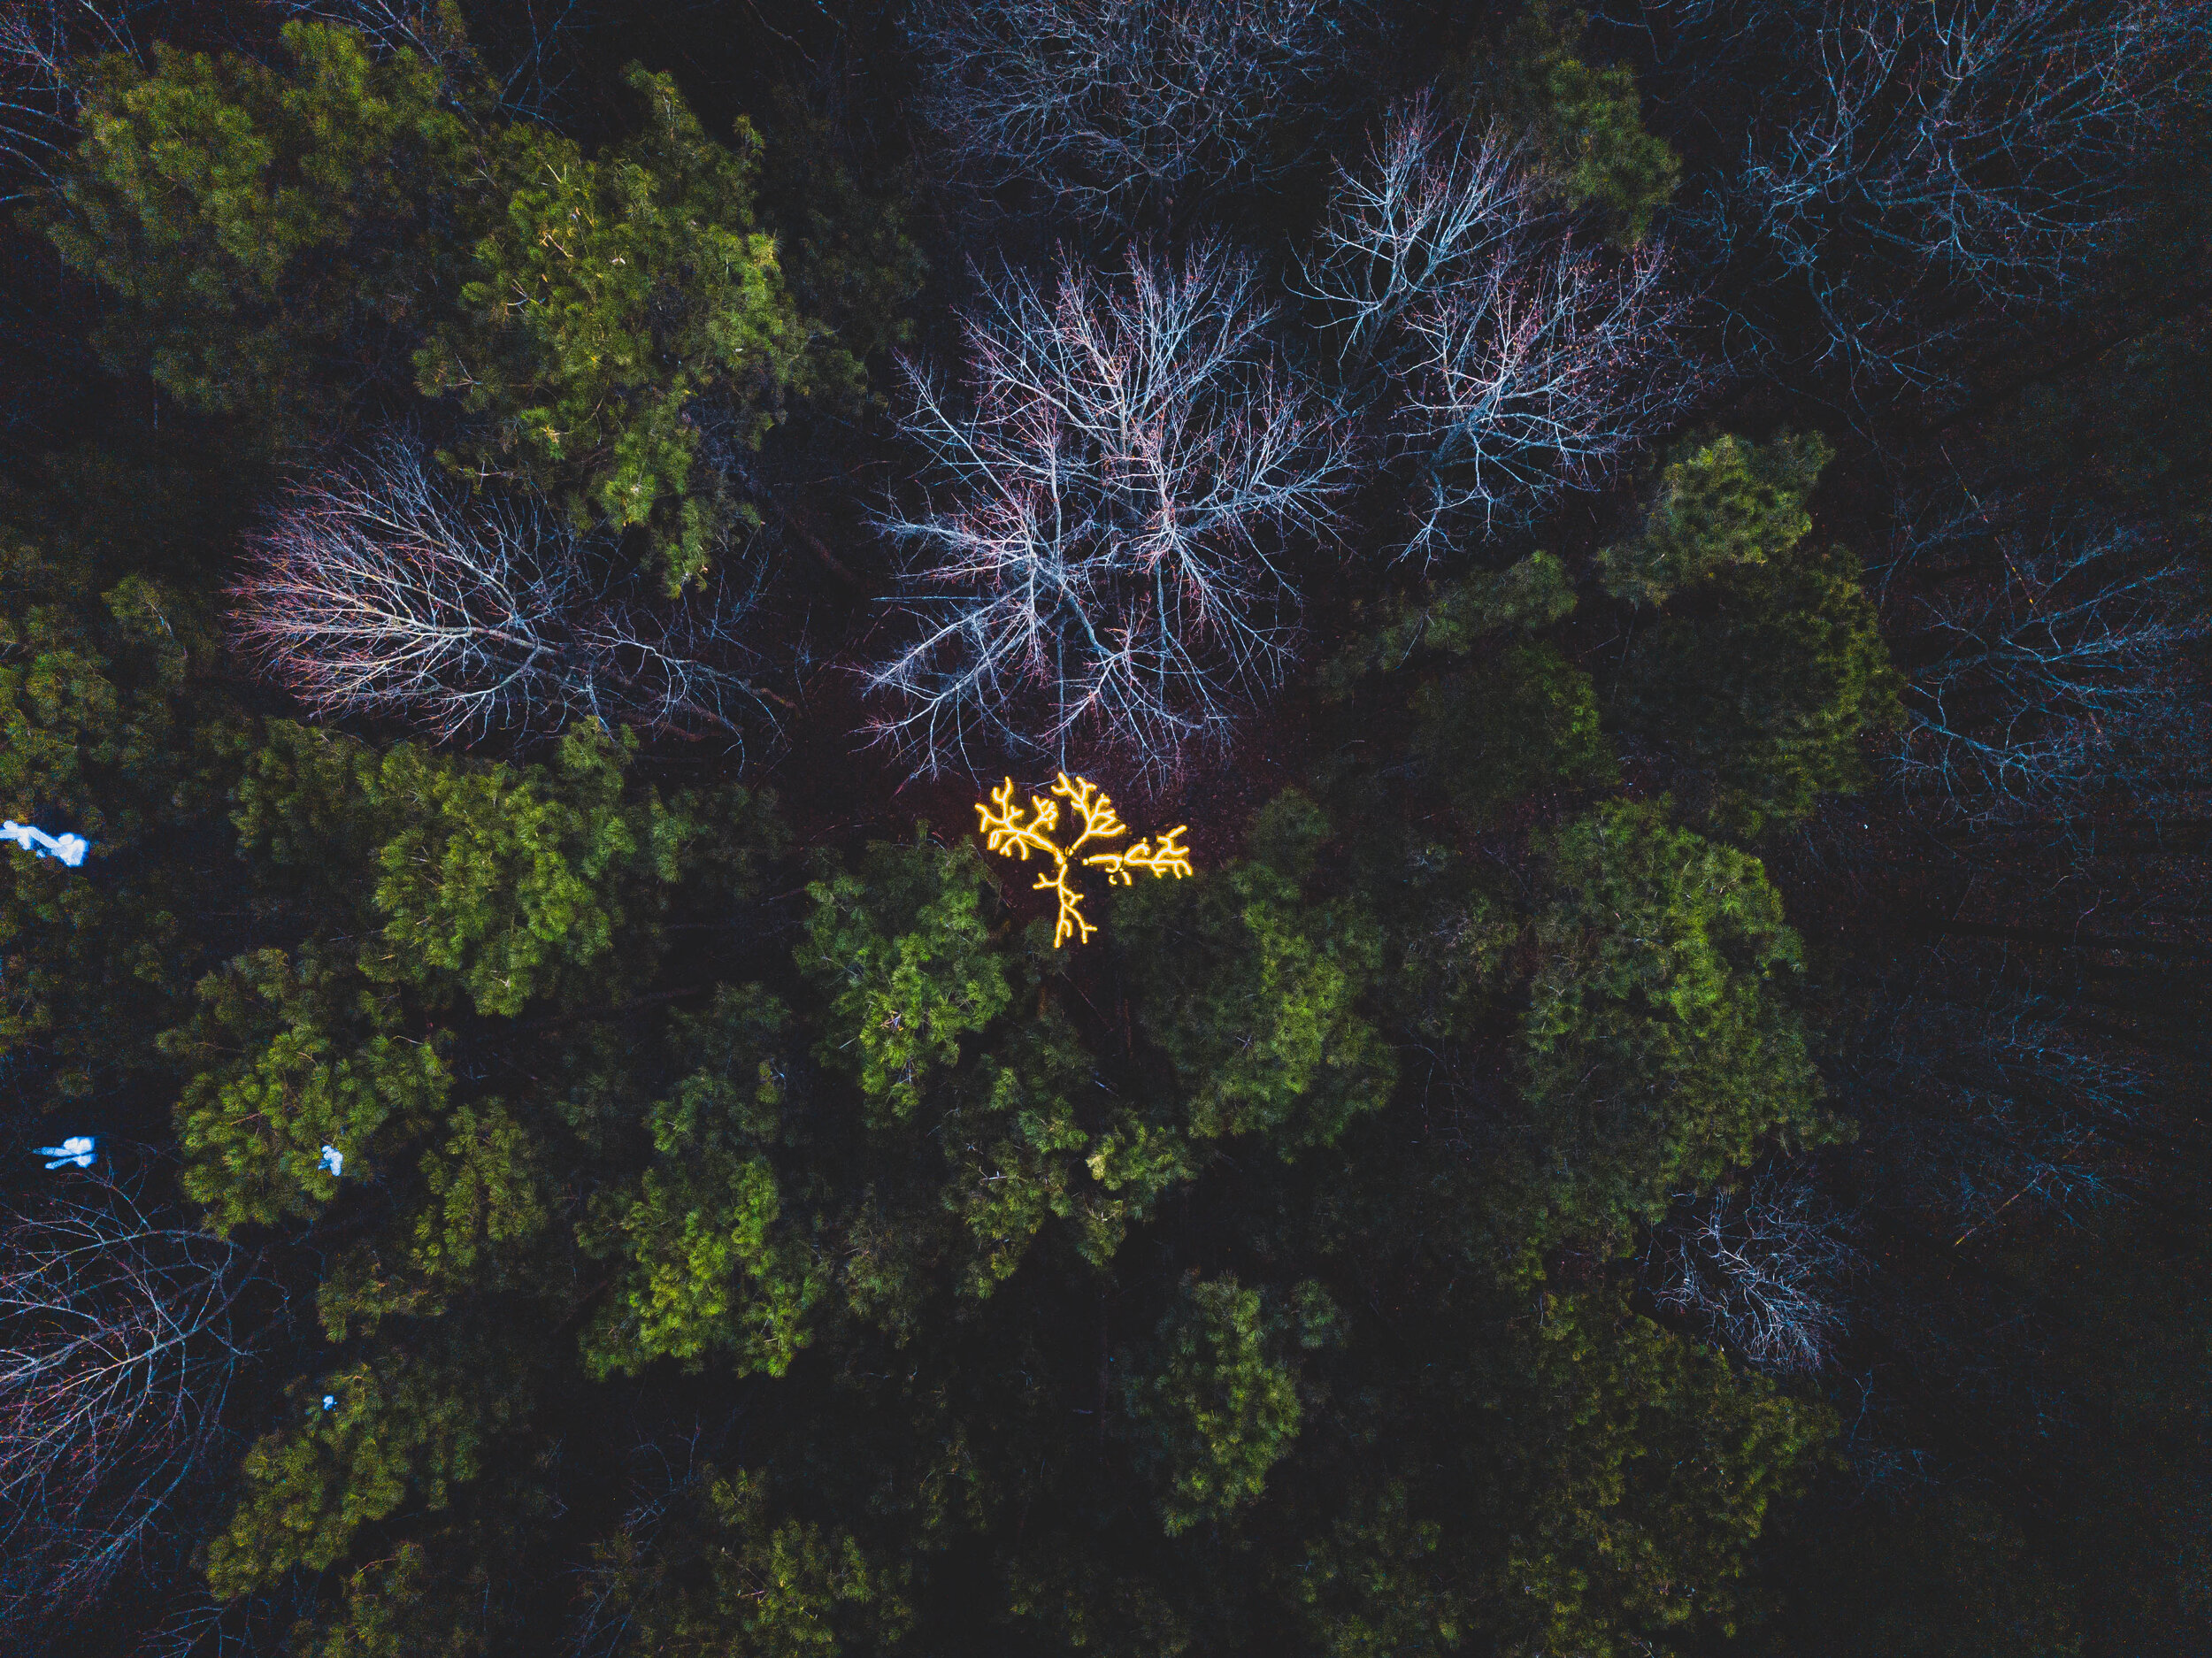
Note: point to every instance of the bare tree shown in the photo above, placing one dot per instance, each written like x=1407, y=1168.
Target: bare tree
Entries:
x=1101, y=553
x=380, y=589
x=607, y=1594
x=119, y=1344
x=1915, y=147
x=1509, y=362
x=1113, y=104
x=45, y=46
x=1762, y=1265
x=2049, y=662
x=1985, y=1099
x=1438, y=200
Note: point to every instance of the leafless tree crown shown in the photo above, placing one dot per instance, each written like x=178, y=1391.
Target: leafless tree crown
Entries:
x=1763, y=1265
x=1974, y=144
x=119, y=1343
x=1114, y=103
x=1100, y=553
x=1512, y=362
x=1996, y=1100
x=44, y=45
x=378, y=588
x=2050, y=663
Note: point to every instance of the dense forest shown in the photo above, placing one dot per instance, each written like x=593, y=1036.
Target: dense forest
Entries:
x=1296, y=828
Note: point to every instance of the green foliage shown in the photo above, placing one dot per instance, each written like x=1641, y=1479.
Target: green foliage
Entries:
x=1252, y=990
x=868, y=1188
x=498, y=883
x=709, y=1268
x=939, y=1146
x=384, y=1601
x=97, y=708
x=360, y=1292
x=1289, y=834
x=619, y=308
x=708, y=1273
x=1524, y=721
x=1651, y=1466
x=286, y=1058
x=487, y=1193
x=303, y=802
x=513, y=882
x=463, y=883
x=1723, y=505
x=1658, y=1050
x=1371, y=1586
x=441, y=1594
x=1451, y=618
x=927, y=1009
x=730, y=1578
x=903, y=947
x=1024, y=1154
x=274, y=234
x=1082, y=1603
x=398, y=1427
x=1139, y=1160
x=1586, y=123
x=848, y=245
x=860, y=1273
x=1213, y=1411
x=443, y=899
x=90, y=684
x=1767, y=687
x=1454, y=964
x=1768, y=671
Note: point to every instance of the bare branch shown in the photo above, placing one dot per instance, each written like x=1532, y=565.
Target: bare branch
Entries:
x=1921, y=146
x=1987, y=1101
x=1761, y=1265
x=117, y=1347
x=1113, y=104
x=45, y=47
x=2052, y=664
x=1541, y=378
x=521, y=45
x=378, y=589
x=1102, y=555
x=1513, y=362
x=606, y=1589
x=1437, y=202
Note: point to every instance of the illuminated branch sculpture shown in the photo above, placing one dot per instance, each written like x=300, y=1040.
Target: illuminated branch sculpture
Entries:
x=1005, y=831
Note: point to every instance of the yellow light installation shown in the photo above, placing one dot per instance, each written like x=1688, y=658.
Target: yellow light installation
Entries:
x=1004, y=831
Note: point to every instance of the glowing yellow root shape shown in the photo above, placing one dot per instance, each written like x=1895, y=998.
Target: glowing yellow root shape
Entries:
x=1005, y=831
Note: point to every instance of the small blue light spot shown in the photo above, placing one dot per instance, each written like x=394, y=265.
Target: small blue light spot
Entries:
x=76, y=1150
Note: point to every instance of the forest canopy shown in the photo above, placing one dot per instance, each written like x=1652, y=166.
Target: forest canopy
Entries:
x=1607, y=605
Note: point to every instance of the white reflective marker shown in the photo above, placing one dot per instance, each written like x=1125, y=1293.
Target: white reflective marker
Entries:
x=69, y=849
x=76, y=1149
